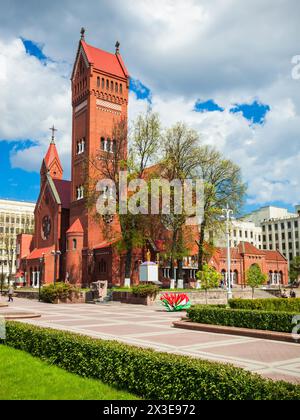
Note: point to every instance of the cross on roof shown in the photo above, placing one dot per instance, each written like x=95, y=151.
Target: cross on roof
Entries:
x=53, y=129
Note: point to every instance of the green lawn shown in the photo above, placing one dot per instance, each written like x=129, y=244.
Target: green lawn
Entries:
x=23, y=377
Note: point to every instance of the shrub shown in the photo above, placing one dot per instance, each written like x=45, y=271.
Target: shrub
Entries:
x=58, y=291
x=243, y=318
x=144, y=290
x=285, y=305
x=146, y=373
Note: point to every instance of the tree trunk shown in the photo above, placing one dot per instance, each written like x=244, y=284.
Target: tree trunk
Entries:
x=201, y=247
x=128, y=262
x=252, y=292
x=180, y=269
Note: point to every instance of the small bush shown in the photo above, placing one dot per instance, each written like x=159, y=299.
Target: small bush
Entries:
x=144, y=290
x=243, y=318
x=60, y=291
x=144, y=372
x=285, y=305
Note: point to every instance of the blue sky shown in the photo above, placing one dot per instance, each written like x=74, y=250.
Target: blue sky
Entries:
x=24, y=185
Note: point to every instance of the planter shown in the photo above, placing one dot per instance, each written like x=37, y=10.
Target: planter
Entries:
x=130, y=298
x=73, y=298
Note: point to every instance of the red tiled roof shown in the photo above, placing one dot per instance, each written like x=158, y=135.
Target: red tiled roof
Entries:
x=64, y=191
x=38, y=253
x=105, y=61
x=106, y=244
x=274, y=256
x=76, y=227
x=247, y=248
x=52, y=155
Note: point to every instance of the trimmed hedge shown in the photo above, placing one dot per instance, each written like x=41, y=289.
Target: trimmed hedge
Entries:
x=243, y=318
x=51, y=292
x=144, y=290
x=284, y=305
x=146, y=373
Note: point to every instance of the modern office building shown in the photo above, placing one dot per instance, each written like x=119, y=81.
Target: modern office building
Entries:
x=280, y=229
x=15, y=217
x=241, y=231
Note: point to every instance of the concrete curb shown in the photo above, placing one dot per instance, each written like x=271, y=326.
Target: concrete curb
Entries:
x=245, y=332
x=21, y=315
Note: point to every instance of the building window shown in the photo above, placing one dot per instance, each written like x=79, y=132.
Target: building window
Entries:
x=80, y=192
x=111, y=86
x=74, y=244
x=296, y=224
x=107, y=84
x=289, y=225
x=121, y=88
x=102, y=143
x=103, y=83
x=98, y=81
x=80, y=146
x=117, y=88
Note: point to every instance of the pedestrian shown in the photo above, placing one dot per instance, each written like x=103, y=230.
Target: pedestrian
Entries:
x=10, y=294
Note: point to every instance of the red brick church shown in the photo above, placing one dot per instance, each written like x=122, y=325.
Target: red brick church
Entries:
x=68, y=243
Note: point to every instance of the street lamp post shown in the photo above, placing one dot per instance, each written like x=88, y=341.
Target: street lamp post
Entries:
x=41, y=274
x=228, y=215
x=55, y=254
x=2, y=276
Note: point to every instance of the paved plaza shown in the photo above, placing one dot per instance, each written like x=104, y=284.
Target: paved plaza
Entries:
x=152, y=327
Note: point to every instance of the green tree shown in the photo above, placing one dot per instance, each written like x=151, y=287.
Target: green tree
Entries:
x=295, y=270
x=144, y=141
x=255, y=278
x=222, y=185
x=179, y=144
x=209, y=278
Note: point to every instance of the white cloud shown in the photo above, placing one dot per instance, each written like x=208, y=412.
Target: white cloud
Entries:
x=226, y=50
x=33, y=97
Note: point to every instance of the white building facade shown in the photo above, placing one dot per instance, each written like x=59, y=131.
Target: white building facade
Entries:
x=15, y=217
x=241, y=231
x=280, y=229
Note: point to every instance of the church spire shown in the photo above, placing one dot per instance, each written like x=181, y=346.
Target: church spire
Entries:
x=51, y=163
x=53, y=129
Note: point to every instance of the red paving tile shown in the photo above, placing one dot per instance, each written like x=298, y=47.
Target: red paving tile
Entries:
x=186, y=339
x=276, y=376
x=260, y=350
x=125, y=329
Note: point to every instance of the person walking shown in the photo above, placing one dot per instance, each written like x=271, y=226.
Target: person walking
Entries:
x=10, y=294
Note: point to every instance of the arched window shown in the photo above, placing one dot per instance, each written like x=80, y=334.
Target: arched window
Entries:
x=102, y=143
x=117, y=88
x=74, y=244
x=121, y=88
x=112, y=86
x=103, y=83
x=108, y=145
x=107, y=84
x=98, y=81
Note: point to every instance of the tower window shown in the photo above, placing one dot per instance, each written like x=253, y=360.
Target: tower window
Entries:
x=98, y=81
x=102, y=143
x=74, y=244
x=117, y=88
x=103, y=83
x=121, y=88
x=112, y=86
x=81, y=146
x=107, y=84
x=79, y=192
